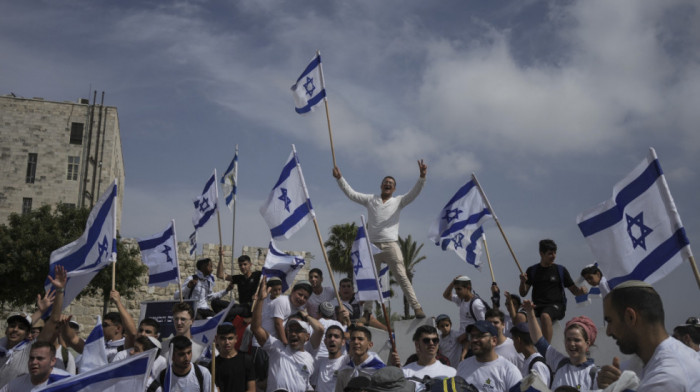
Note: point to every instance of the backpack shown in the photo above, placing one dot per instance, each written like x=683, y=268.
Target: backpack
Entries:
x=541, y=359
x=560, y=269
x=471, y=305
x=161, y=379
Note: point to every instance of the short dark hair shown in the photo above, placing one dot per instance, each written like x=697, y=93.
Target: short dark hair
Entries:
x=244, y=258
x=183, y=307
x=180, y=342
x=385, y=177
x=359, y=328
x=523, y=336
x=316, y=271
x=493, y=312
x=202, y=262
x=593, y=269
x=645, y=300
x=225, y=329
x=43, y=343
x=330, y=327
x=20, y=321
x=690, y=330
x=114, y=317
x=303, y=285
x=273, y=283
x=152, y=323
x=345, y=280
x=547, y=245
x=424, y=329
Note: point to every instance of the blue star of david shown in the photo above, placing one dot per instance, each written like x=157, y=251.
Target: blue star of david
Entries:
x=451, y=215
x=358, y=263
x=102, y=248
x=298, y=262
x=203, y=205
x=457, y=239
x=309, y=86
x=166, y=252
x=644, y=231
x=204, y=339
x=285, y=199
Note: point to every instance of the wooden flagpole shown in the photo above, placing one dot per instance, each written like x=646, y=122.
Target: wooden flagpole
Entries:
x=233, y=230
x=488, y=258
x=114, y=275
x=325, y=101
x=483, y=194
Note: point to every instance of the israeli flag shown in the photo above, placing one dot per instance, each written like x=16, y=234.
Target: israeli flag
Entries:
x=94, y=250
x=229, y=181
x=205, y=205
x=192, y=247
x=288, y=206
x=638, y=234
x=364, y=270
x=94, y=352
x=384, y=282
x=309, y=88
x=459, y=224
x=159, y=253
x=282, y=265
x=130, y=374
x=203, y=331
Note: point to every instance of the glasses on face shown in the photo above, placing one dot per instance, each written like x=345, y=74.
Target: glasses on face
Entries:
x=430, y=340
x=181, y=319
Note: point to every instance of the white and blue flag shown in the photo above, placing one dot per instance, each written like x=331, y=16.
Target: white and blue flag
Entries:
x=288, y=206
x=282, y=265
x=638, y=234
x=229, y=181
x=130, y=374
x=94, y=250
x=205, y=205
x=203, y=331
x=192, y=247
x=94, y=351
x=364, y=271
x=309, y=88
x=459, y=226
x=159, y=253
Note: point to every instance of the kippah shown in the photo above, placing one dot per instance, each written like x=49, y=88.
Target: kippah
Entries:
x=463, y=278
x=327, y=309
x=632, y=283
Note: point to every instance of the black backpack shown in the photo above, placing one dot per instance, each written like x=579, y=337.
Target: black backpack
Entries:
x=161, y=379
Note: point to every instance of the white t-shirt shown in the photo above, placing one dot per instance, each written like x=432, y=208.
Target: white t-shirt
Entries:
x=465, y=316
x=14, y=362
x=281, y=308
x=288, y=369
x=541, y=368
x=507, y=351
x=578, y=376
x=326, y=373
x=450, y=347
x=496, y=375
x=113, y=347
x=436, y=370
x=23, y=383
x=189, y=383
x=673, y=367
x=327, y=294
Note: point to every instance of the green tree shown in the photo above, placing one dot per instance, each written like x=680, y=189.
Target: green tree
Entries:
x=27, y=241
x=410, y=251
x=338, y=247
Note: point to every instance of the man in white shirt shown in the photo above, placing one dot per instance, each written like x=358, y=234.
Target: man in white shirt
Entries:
x=533, y=359
x=319, y=293
x=485, y=369
x=689, y=334
x=634, y=314
x=362, y=361
x=383, y=225
x=42, y=359
x=326, y=372
x=200, y=288
x=504, y=345
x=427, y=343
x=186, y=376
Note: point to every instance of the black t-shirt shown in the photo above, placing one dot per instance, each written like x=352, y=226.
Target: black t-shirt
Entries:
x=546, y=284
x=246, y=287
x=233, y=374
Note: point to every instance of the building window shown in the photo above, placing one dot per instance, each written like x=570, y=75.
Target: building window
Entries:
x=31, y=168
x=26, y=205
x=73, y=164
x=76, y=133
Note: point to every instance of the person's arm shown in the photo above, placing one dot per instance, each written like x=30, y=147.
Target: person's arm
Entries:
x=413, y=193
x=394, y=359
x=187, y=287
x=70, y=337
x=495, y=296
x=575, y=290
x=250, y=386
x=127, y=321
x=510, y=307
x=524, y=286
x=220, y=266
x=221, y=293
x=43, y=304
x=447, y=294
x=256, y=323
x=317, y=327
x=357, y=197
x=532, y=323
x=59, y=283
x=279, y=327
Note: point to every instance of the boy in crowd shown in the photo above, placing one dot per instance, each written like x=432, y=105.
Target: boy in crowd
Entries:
x=42, y=359
x=326, y=367
x=504, y=345
x=319, y=293
x=471, y=307
x=533, y=359
x=362, y=361
x=200, y=286
x=234, y=369
x=449, y=344
x=427, y=342
x=186, y=376
x=247, y=282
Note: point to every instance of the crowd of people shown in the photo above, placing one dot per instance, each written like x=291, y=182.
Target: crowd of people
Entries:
x=309, y=340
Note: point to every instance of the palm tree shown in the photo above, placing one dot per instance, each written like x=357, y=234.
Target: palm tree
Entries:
x=410, y=251
x=339, y=245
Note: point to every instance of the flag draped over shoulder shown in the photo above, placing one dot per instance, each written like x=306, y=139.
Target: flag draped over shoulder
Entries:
x=130, y=374
x=638, y=234
x=94, y=351
x=229, y=182
x=205, y=205
x=459, y=224
x=95, y=249
x=159, y=253
x=309, y=88
x=288, y=206
x=364, y=271
x=282, y=265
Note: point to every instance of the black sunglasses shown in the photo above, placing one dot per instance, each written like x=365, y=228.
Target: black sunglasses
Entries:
x=431, y=340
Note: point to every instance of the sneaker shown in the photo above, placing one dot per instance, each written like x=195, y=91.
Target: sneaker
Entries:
x=420, y=314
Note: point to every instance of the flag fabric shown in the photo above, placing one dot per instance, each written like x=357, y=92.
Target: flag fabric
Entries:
x=364, y=271
x=638, y=234
x=205, y=204
x=229, y=181
x=130, y=374
x=459, y=226
x=310, y=88
x=192, y=248
x=94, y=352
x=203, y=331
x=95, y=249
x=288, y=206
x=384, y=282
x=159, y=253
x=282, y=265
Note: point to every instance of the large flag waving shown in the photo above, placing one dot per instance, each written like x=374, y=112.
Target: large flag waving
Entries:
x=159, y=253
x=229, y=181
x=638, y=234
x=95, y=249
x=205, y=205
x=94, y=351
x=282, y=265
x=203, y=331
x=364, y=270
x=288, y=206
x=309, y=88
x=459, y=224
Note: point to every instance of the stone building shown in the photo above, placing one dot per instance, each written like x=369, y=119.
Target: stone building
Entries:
x=57, y=152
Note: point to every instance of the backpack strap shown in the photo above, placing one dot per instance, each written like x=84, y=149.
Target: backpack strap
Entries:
x=541, y=359
x=200, y=376
x=471, y=305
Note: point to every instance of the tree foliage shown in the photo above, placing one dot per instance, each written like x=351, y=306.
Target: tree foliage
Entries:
x=27, y=241
x=338, y=247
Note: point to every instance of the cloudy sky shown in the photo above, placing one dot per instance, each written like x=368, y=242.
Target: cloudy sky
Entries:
x=549, y=103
